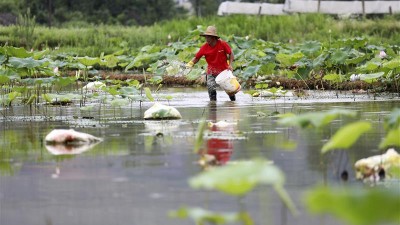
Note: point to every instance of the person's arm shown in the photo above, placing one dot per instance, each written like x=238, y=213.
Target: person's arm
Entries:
x=191, y=63
x=231, y=58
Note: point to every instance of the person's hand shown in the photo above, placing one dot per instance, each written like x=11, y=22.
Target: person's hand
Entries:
x=229, y=65
x=190, y=65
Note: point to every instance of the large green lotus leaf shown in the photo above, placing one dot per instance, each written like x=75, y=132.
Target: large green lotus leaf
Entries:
x=109, y=61
x=356, y=206
x=17, y=52
x=28, y=63
x=242, y=43
x=12, y=96
x=150, y=49
x=76, y=65
x=369, y=66
x=2, y=59
x=369, y=78
x=310, y=48
x=392, y=139
x=239, y=178
x=392, y=64
x=186, y=54
x=202, y=216
x=39, y=55
x=250, y=71
x=356, y=42
x=314, y=119
x=356, y=57
x=111, y=90
x=320, y=60
x=288, y=59
x=339, y=57
x=304, y=67
x=346, y=136
x=239, y=53
x=64, y=81
x=65, y=97
x=194, y=74
x=118, y=102
x=88, y=61
x=267, y=68
x=148, y=94
x=10, y=73
x=143, y=59
x=333, y=77
x=393, y=120
x=173, y=69
x=180, y=45
x=4, y=79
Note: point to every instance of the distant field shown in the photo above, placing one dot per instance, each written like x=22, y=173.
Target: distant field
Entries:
x=93, y=39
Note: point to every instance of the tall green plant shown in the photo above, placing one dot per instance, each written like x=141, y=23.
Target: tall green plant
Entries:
x=25, y=28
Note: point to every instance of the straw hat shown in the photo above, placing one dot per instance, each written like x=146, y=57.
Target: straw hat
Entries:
x=210, y=31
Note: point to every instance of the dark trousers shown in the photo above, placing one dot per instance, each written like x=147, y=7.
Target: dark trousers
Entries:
x=212, y=88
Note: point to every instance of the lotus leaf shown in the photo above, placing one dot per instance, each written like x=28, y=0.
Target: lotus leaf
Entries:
x=346, y=136
x=393, y=120
x=369, y=78
x=355, y=205
x=391, y=139
x=314, y=119
x=239, y=178
x=202, y=216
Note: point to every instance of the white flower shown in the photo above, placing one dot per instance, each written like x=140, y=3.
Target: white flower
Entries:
x=382, y=54
x=354, y=77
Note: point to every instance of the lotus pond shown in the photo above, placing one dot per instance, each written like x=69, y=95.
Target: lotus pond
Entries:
x=149, y=172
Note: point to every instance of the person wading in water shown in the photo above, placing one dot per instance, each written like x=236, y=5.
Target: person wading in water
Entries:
x=219, y=57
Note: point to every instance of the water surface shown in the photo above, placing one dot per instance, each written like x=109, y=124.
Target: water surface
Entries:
x=140, y=171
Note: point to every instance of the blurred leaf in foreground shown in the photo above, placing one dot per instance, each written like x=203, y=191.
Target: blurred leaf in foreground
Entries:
x=356, y=206
x=346, y=136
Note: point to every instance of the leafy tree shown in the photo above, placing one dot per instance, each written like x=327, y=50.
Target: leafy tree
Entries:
x=126, y=12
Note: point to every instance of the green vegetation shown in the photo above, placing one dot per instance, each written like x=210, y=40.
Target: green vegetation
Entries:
x=288, y=29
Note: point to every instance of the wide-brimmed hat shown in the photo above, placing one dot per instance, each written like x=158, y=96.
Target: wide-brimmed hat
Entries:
x=210, y=31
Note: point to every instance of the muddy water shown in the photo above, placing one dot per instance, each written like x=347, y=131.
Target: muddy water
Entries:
x=139, y=172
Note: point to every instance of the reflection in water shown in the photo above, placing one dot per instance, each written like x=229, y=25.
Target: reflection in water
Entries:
x=69, y=142
x=219, y=146
x=69, y=149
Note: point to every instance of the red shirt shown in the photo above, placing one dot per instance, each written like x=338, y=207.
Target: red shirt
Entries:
x=216, y=56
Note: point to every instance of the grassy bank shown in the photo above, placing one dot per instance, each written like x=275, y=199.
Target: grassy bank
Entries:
x=92, y=40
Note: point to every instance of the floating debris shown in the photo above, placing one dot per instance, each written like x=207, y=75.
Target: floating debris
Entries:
x=69, y=142
x=376, y=167
x=221, y=124
x=70, y=136
x=94, y=86
x=159, y=111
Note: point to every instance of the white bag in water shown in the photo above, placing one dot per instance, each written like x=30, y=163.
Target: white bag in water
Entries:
x=94, y=86
x=160, y=111
x=65, y=136
x=372, y=165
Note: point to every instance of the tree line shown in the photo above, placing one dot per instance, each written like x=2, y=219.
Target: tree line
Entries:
x=111, y=12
